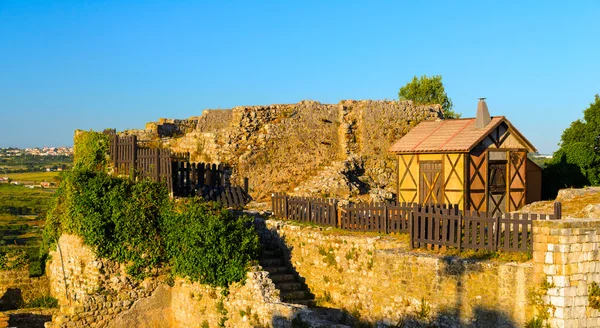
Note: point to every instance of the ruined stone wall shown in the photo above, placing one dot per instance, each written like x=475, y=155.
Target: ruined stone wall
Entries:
x=90, y=291
x=16, y=287
x=377, y=279
x=253, y=304
x=567, y=261
x=99, y=293
x=304, y=148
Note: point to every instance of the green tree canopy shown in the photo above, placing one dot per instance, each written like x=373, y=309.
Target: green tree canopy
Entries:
x=426, y=90
x=577, y=162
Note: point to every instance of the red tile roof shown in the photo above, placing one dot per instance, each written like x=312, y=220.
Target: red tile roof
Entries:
x=458, y=135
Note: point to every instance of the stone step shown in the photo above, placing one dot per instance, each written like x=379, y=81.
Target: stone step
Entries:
x=271, y=262
x=272, y=253
x=307, y=302
x=294, y=295
x=290, y=286
x=282, y=277
x=277, y=269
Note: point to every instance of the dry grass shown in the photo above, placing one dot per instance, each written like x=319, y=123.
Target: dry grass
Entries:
x=571, y=207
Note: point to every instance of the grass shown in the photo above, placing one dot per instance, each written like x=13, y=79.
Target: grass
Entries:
x=33, y=176
x=404, y=238
x=571, y=207
x=22, y=213
x=43, y=302
x=20, y=200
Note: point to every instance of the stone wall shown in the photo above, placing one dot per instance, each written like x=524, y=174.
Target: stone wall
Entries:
x=90, y=291
x=567, y=261
x=304, y=148
x=16, y=288
x=99, y=293
x=378, y=280
x=253, y=304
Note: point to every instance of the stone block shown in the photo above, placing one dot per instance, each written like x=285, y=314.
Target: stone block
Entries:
x=561, y=281
x=550, y=269
x=558, y=301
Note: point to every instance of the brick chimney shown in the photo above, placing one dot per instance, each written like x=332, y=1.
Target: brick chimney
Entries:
x=483, y=115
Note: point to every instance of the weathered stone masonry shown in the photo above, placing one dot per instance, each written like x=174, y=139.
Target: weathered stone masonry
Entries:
x=379, y=280
x=567, y=256
x=23, y=288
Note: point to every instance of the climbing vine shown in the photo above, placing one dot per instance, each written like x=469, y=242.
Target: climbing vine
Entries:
x=136, y=223
x=91, y=150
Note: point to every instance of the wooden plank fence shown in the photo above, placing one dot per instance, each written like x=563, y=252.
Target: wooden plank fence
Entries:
x=430, y=226
x=190, y=178
x=182, y=177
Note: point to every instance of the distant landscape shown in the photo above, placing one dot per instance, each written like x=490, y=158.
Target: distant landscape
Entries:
x=28, y=180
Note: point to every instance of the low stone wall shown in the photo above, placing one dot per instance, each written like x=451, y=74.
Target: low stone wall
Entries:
x=566, y=262
x=378, y=280
x=94, y=292
x=16, y=287
x=253, y=304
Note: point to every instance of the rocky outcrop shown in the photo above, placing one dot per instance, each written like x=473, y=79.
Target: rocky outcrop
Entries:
x=294, y=147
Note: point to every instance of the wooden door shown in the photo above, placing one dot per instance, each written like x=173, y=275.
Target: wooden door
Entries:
x=497, y=187
x=430, y=182
x=477, y=173
x=516, y=179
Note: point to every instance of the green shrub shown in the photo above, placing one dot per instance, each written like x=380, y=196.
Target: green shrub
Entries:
x=118, y=217
x=12, y=258
x=43, y=302
x=136, y=223
x=209, y=244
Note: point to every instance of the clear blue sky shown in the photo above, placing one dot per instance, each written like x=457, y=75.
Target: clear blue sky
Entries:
x=75, y=64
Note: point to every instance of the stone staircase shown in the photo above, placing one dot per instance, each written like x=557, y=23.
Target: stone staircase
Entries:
x=289, y=283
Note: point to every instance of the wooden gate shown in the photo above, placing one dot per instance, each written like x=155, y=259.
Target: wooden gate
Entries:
x=516, y=179
x=477, y=200
x=430, y=182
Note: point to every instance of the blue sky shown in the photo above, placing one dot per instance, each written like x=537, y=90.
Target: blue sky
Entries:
x=67, y=65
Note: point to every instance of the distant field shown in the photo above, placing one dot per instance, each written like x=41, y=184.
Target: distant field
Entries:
x=20, y=230
x=19, y=200
x=22, y=217
x=33, y=176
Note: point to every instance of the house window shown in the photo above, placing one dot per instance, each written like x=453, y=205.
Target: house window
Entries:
x=497, y=177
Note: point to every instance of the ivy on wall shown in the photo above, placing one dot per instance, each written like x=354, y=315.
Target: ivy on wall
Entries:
x=91, y=150
x=136, y=223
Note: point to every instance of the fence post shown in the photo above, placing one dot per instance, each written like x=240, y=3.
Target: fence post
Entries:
x=557, y=210
x=460, y=229
x=335, y=213
x=385, y=217
x=246, y=185
x=285, y=206
x=309, y=212
x=410, y=227
x=157, y=166
x=134, y=149
x=497, y=232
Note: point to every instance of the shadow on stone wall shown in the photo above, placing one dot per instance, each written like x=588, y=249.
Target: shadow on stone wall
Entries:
x=12, y=299
x=455, y=316
x=28, y=320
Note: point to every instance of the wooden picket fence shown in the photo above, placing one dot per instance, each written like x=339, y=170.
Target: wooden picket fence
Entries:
x=430, y=226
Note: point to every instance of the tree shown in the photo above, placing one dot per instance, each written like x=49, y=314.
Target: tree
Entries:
x=577, y=161
x=428, y=90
